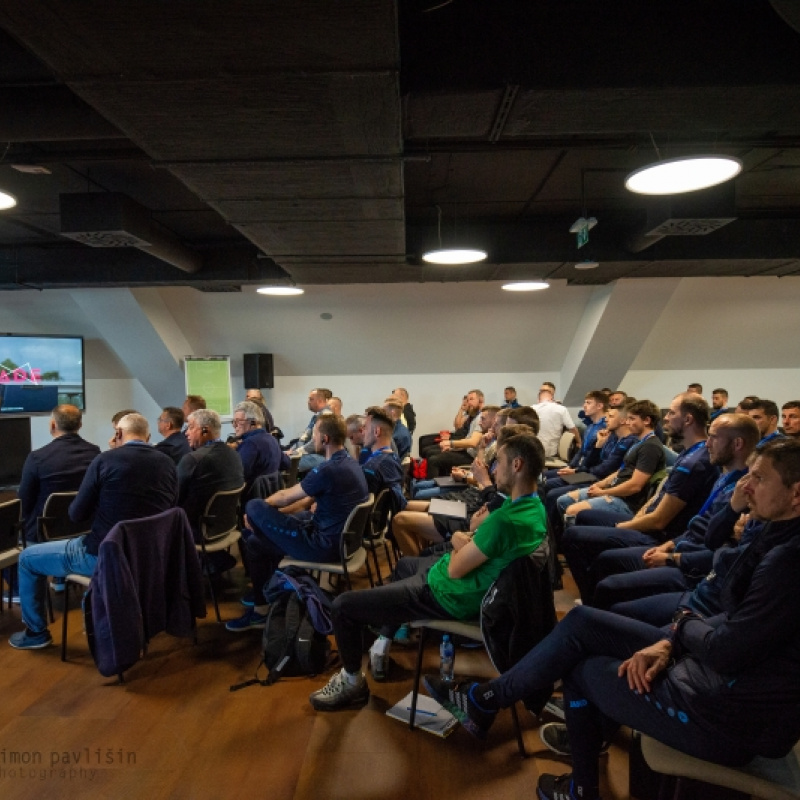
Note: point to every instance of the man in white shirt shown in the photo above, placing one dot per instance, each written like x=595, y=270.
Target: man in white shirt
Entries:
x=554, y=419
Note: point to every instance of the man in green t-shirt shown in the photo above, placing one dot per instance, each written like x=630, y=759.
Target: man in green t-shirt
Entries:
x=447, y=587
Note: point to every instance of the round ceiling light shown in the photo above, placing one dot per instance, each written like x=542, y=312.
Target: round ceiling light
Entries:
x=587, y=265
x=280, y=291
x=7, y=200
x=454, y=255
x=526, y=286
x=678, y=175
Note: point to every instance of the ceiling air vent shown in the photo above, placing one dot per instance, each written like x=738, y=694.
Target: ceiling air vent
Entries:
x=112, y=219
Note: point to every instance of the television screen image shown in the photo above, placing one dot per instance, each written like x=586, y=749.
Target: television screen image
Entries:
x=38, y=373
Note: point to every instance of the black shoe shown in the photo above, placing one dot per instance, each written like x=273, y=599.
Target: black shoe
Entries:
x=456, y=699
x=556, y=738
x=555, y=707
x=551, y=787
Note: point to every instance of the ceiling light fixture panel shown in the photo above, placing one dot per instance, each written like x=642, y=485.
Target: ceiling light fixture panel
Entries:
x=686, y=174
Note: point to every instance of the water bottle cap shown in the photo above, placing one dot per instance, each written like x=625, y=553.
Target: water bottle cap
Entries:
x=446, y=638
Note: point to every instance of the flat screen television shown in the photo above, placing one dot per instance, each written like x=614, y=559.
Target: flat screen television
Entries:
x=38, y=372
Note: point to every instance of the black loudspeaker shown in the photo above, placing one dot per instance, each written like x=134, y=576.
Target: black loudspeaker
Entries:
x=258, y=372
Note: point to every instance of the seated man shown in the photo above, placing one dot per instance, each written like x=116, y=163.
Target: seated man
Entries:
x=595, y=406
x=170, y=426
x=554, y=419
x=210, y=467
x=57, y=467
x=304, y=444
x=613, y=442
x=401, y=437
x=681, y=497
x=719, y=403
x=415, y=529
x=681, y=562
x=765, y=414
x=284, y=523
x=259, y=452
x=131, y=481
x=408, y=417
x=426, y=489
x=626, y=489
x=382, y=468
x=790, y=418
x=256, y=396
x=457, y=450
x=193, y=402
x=450, y=587
x=722, y=689
x=354, y=425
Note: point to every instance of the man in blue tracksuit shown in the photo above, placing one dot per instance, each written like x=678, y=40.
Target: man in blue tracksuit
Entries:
x=723, y=689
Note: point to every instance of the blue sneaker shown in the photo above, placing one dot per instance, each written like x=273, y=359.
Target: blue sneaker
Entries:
x=248, y=599
x=250, y=620
x=402, y=636
x=28, y=640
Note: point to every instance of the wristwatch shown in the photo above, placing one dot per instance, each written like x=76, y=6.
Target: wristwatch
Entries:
x=671, y=562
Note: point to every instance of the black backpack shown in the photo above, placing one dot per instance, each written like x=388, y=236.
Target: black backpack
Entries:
x=291, y=645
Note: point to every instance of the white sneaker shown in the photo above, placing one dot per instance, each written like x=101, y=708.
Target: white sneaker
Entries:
x=340, y=693
x=379, y=658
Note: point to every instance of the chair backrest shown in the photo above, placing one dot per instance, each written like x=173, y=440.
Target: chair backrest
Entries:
x=10, y=524
x=221, y=515
x=55, y=522
x=264, y=486
x=381, y=515
x=564, y=445
x=355, y=527
x=291, y=475
x=517, y=612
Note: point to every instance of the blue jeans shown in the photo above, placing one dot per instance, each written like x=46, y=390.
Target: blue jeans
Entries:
x=36, y=563
x=604, y=502
x=585, y=649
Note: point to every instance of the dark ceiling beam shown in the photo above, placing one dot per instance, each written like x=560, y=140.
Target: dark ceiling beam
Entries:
x=50, y=114
x=74, y=267
x=533, y=241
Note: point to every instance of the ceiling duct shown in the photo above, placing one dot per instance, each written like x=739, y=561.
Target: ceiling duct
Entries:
x=111, y=219
x=693, y=214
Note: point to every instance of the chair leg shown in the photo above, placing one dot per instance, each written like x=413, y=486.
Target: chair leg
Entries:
x=377, y=566
x=64, y=623
x=520, y=743
x=51, y=616
x=213, y=590
x=417, y=674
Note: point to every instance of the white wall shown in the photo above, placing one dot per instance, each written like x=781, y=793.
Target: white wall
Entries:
x=661, y=386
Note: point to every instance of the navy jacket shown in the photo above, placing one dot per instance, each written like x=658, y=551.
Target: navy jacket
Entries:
x=57, y=467
x=128, y=482
x=741, y=669
x=147, y=580
x=260, y=454
x=176, y=446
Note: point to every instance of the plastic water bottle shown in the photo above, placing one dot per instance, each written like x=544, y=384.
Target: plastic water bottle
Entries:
x=447, y=655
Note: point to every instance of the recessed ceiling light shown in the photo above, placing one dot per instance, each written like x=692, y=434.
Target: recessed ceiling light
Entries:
x=678, y=175
x=453, y=255
x=31, y=169
x=526, y=286
x=587, y=265
x=7, y=200
x=280, y=290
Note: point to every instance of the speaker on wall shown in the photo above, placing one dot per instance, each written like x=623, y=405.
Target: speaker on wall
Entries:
x=258, y=371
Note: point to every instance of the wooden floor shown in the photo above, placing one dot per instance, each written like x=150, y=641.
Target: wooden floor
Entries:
x=174, y=730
